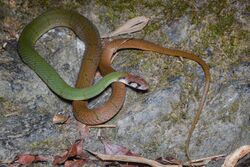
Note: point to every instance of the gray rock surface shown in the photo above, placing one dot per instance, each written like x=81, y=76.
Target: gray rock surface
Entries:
x=152, y=124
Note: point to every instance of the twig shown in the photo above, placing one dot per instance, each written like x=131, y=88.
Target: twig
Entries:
x=204, y=161
x=102, y=126
x=232, y=159
x=134, y=159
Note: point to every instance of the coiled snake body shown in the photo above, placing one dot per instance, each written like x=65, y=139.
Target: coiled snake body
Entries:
x=88, y=33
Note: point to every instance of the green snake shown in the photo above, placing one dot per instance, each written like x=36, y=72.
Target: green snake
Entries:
x=88, y=33
x=84, y=90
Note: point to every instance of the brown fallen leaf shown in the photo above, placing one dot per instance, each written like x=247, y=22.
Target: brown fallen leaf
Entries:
x=60, y=119
x=114, y=149
x=58, y=160
x=79, y=150
x=25, y=159
x=28, y=159
x=75, y=152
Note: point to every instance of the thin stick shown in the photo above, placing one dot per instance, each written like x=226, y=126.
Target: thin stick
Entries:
x=134, y=159
x=102, y=126
x=204, y=161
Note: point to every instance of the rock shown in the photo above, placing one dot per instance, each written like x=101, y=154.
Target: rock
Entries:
x=154, y=123
x=178, y=30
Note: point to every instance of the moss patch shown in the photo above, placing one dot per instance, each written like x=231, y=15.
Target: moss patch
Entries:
x=116, y=8
x=223, y=25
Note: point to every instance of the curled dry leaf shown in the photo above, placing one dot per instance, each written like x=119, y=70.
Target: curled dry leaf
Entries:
x=232, y=159
x=114, y=149
x=60, y=119
x=131, y=26
x=75, y=152
x=58, y=160
x=28, y=159
x=25, y=159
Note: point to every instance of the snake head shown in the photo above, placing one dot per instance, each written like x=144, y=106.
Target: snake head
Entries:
x=134, y=81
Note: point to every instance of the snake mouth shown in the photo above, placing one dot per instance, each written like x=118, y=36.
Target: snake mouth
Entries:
x=135, y=82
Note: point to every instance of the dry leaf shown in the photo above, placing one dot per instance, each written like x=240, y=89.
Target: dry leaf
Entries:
x=60, y=119
x=75, y=152
x=114, y=149
x=25, y=159
x=131, y=26
x=28, y=159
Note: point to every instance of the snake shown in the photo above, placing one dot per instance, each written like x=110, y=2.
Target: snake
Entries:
x=88, y=33
x=84, y=90
x=118, y=89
